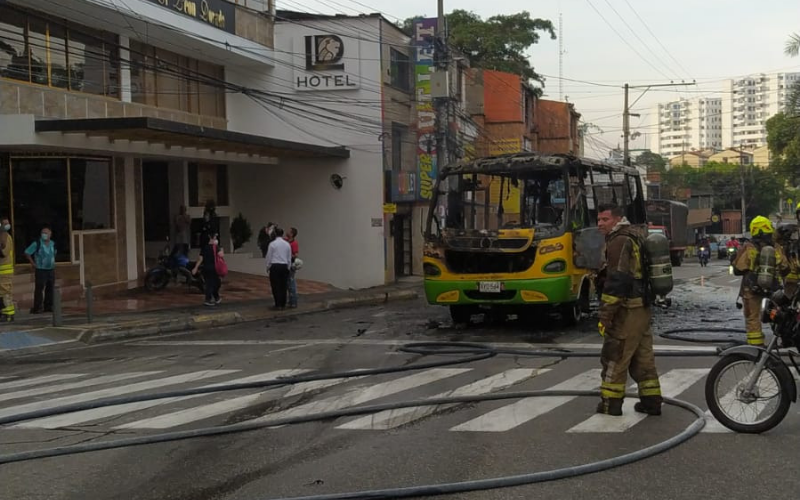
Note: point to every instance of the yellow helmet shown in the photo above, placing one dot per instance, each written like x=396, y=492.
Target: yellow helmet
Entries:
x=760, y=225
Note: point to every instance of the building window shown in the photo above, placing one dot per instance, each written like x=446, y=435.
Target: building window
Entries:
x=167, y=80
x=38, y=50
x=398, y=138
x=399, y=70
x=208, y=182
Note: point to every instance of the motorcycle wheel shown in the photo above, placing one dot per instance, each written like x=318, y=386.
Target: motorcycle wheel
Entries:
x=156, y=279
x=725, y=402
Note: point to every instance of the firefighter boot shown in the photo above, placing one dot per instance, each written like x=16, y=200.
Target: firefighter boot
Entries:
x=610, y=406
x=650, y=405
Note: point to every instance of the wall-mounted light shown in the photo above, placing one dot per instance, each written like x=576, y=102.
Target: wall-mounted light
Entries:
x=337, y=181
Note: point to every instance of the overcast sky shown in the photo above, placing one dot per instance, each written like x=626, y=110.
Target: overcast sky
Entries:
x=711, y=40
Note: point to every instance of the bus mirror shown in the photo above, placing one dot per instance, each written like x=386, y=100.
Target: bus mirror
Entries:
x=589, y=244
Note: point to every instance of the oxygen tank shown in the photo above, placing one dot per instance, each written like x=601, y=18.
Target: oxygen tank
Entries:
x=765, y=272
x=660, y=268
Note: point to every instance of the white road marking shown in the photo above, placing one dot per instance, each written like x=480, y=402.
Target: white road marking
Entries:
x=524, y=410
x=105, y=379
x=673, y=383
x=114, y=391
x=39, y=380
x=377, y=342
x=369, y=393
x=71, y=419
x=394, y=418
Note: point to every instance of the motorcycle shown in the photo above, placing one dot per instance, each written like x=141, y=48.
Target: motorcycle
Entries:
x=731, y=254
x=704, y=255
x=761, y=386
x=173, y=266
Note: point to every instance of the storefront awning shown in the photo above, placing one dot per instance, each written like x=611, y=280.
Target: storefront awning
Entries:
x=175, y=134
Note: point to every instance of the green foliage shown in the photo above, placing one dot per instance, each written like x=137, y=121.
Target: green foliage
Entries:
x=763, y=187
x=498, y=42
x=654, y=162
x=783, y=139
x=241, y=232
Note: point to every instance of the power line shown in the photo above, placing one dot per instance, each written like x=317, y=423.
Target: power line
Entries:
x=657, y=39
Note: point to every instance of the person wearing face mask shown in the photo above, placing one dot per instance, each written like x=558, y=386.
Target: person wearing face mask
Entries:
x=42, y=256
x=6, y=271
x=207, y=263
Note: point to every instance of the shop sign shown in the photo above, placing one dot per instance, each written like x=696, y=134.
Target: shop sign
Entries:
x=424, y=31
x=220, y=14
x=330, y=62
x=390, y=208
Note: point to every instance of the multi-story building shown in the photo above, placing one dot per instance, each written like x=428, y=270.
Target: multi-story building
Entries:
x=687, y=124
x=749, y=102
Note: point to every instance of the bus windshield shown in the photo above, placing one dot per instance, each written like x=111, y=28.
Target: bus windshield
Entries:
x=536, y=199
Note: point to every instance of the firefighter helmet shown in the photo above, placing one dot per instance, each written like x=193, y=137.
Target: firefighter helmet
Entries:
x=760, y=226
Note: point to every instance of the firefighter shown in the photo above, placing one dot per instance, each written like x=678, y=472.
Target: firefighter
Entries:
x=788, y=248
x=625, y=318
x=746, y=265
x=6, y=271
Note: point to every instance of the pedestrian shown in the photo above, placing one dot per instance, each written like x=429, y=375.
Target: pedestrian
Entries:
x=265, y=237
x=207, y=263
x=279, y=258
x=292, y=239
x=183, y=222
x=7, y=309
x=42, y=256
x=625, y=318
x=746, y=265
x=789, y=250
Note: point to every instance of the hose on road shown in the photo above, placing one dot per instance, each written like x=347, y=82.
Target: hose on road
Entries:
x=468, y=353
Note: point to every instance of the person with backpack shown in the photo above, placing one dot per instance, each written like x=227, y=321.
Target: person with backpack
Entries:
x=42, y=256
x=212, y=263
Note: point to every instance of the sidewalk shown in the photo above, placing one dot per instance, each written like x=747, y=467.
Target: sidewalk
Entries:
x=139, y=313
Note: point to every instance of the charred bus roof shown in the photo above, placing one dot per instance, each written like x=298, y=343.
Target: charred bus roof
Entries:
x=519, y=162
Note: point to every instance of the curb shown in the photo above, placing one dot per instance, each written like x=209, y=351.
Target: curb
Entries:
x=90, y=335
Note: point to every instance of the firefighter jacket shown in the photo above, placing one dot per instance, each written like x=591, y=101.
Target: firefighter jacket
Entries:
x=746, y=264
x=625, y=284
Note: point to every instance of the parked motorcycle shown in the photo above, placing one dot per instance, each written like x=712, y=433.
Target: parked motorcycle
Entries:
x=173, y=265
x=704, y=255
x=750, y=388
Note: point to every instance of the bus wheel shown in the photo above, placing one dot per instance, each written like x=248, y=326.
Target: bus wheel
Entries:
x=571, y=313
x=460, y=314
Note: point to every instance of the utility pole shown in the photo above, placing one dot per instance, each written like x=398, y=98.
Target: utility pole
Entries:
x=626, y=114
x=741, y=179
x=441, y=103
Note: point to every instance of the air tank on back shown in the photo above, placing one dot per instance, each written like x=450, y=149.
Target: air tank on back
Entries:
x=657, y=248
x=765, y=272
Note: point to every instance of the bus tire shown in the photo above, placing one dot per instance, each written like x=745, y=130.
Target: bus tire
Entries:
x=460, y=314
x=571, y=313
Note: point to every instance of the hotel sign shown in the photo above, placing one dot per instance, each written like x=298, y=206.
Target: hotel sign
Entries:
x=330, y=62
x=220, y=14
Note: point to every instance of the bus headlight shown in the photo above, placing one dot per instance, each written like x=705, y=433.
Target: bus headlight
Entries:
x=431, y=270
x=556, y=266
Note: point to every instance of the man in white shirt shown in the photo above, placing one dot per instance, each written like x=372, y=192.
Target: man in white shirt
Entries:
x=279, y=260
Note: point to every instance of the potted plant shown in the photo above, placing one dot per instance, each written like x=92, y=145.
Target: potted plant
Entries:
x=240, y=232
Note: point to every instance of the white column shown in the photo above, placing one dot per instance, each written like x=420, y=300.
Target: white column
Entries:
x=125, y=68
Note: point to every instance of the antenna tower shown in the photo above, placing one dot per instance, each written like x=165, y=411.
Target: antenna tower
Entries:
x=560, y=57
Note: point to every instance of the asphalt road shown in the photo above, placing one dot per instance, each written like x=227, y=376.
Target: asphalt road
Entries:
x=422, y=446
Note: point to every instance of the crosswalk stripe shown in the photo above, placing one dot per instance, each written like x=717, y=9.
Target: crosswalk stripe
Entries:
x=524, y=410
x=114, y=391
x=105, y=379
x=673, y=383
x=26, y=382
x=394, y=418
x=189, y=415
x=71, y=419
x=369, y=393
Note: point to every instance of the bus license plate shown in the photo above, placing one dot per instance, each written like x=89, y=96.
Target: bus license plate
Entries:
x=490, y=286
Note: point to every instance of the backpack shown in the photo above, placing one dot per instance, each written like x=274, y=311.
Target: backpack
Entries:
x=219, y=264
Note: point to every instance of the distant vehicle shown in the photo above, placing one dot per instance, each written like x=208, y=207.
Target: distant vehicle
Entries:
x=670, y=218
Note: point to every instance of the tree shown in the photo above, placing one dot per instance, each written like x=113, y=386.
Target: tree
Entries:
x=783, y=139
x=497, y=43
x=654, y=162
x=763, y=187
x=792, y=49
